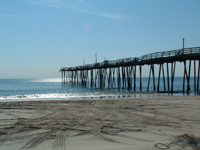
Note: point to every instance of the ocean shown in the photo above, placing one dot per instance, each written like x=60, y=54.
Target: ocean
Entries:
x=54, y=89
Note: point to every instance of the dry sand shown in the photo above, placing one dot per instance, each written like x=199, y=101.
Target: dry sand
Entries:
x=107, y=124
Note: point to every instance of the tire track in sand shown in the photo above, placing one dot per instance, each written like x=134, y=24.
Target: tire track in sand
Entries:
x=59, y=143
x=38, y=140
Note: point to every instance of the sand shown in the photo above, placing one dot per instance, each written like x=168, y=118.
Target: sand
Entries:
x=170, y=122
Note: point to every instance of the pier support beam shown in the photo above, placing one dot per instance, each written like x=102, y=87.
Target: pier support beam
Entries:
x=153, y=76
x=173, y=67
x=91, y=76
x=140, y=78
x=158, y=86
x=128, y=75
x=186, y=76
x=118, y=78
x=113, y=78
x=198, y=92
x=134, y=75
x=168, y=77
x=195, y=76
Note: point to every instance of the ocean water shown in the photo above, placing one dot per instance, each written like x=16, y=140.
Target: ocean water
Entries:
x=53, y=88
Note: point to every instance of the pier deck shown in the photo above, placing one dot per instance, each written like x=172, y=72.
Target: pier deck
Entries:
x=124, y=70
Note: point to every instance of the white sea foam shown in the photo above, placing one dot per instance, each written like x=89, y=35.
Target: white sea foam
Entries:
x=56, y=80
x=53, y=96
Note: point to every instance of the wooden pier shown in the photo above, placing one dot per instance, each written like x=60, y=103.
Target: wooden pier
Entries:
x=121, y=73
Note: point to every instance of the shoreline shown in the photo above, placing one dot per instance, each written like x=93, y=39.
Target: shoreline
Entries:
x=115, y=123
x=122, y=96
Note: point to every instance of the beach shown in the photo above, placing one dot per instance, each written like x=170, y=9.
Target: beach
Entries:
x=150, y=123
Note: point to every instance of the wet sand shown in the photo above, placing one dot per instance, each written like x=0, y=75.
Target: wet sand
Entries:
x=170, y=122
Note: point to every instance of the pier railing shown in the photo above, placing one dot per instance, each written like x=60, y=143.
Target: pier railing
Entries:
x=138, y=60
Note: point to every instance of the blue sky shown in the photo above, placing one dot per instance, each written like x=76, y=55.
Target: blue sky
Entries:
x=38, y=37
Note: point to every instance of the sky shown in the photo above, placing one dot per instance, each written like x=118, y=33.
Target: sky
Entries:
x=38, y=37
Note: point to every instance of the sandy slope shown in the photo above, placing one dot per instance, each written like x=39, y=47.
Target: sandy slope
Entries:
x=106, y=124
